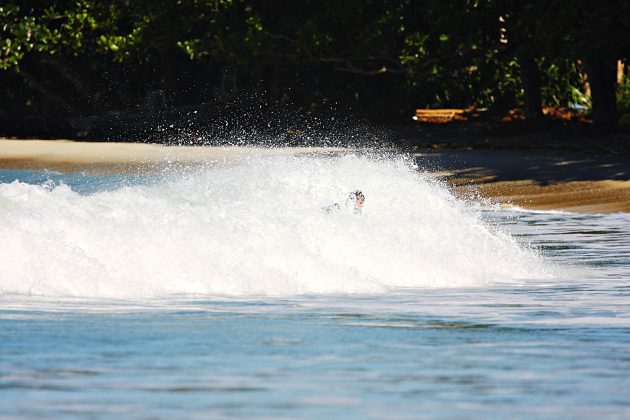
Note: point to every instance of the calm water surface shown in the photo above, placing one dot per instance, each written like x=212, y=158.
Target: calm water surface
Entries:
x=544, y=348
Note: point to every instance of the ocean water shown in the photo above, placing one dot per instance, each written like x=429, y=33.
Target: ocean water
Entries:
x=233, y=290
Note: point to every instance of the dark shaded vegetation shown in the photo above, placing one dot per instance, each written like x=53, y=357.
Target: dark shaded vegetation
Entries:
x=192, y=71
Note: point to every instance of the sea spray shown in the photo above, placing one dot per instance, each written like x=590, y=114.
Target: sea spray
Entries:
x=255, y=226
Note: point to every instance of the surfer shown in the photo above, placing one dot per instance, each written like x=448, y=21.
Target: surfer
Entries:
x=356, y=198
x=359, y=199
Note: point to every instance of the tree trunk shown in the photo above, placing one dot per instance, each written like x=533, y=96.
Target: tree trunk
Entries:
x=530, y=76
x=602, y=77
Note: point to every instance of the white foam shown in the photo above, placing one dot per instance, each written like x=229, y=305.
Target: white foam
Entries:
x=255, y=227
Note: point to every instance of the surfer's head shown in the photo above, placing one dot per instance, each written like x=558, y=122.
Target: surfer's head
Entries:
x=358, y=198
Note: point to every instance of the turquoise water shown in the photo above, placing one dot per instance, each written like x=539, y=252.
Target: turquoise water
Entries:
x=530, y=319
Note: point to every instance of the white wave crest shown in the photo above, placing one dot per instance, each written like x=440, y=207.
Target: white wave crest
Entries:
x=256, y=227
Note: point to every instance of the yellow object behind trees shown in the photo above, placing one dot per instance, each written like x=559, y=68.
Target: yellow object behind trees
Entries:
x=438, y=116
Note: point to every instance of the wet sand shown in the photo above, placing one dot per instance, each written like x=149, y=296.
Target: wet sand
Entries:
x=552, y=180
x=533, y=180
x=580, y=196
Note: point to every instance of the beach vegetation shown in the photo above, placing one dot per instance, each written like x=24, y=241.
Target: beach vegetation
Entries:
x=63, y=59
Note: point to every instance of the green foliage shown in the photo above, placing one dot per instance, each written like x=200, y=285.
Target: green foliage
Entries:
x=563, y=83
x=49, y=30
x=118, y=28
x=412, y=54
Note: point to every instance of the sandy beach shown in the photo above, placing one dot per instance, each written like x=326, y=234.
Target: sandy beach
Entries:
x=532, y=180
x=106, y=157
x=538, y=180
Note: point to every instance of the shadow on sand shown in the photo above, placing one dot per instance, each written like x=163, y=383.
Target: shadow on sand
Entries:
x=484, y=166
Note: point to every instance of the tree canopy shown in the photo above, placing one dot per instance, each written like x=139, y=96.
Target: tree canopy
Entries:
x=69, y=58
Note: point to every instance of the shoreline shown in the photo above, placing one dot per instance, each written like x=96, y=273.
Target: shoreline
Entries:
x=604, y=196
x=566, y=181
x=104, y=157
